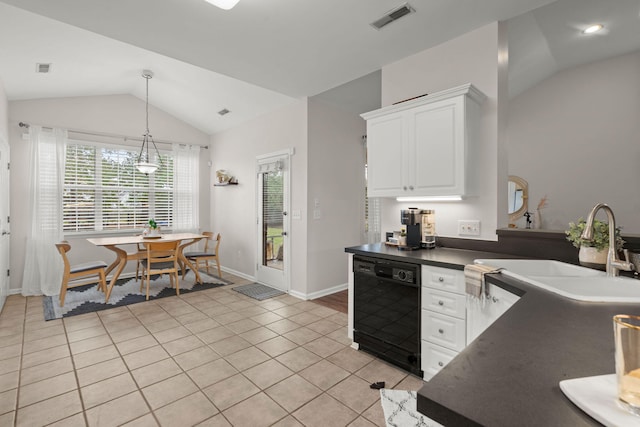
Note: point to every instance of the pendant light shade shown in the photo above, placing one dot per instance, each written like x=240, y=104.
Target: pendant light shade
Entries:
x=223, y=4
x=145, y=163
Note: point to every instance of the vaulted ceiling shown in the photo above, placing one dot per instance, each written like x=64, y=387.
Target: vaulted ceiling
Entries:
x=255, y=57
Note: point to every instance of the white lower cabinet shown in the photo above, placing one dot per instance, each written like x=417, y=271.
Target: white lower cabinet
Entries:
x=448, y=322
x=443, y=317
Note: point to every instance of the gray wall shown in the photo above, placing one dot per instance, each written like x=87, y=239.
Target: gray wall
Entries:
x=575, y=138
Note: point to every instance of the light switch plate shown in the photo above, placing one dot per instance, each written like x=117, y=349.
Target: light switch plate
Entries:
x=317, y=214
x=295, y=214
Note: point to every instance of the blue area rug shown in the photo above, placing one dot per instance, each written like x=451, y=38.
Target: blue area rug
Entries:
x=86, y=299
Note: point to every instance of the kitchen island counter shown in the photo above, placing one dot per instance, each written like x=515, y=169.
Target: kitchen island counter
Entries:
x=510, y=374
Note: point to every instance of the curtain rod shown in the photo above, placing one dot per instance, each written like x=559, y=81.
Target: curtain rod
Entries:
x=113, y=135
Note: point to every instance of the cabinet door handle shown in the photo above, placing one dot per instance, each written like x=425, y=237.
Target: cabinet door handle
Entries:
x=494, y=299
x=411, y=187
x=440, y=364
x=440, y=302
x=441, y=331
x=404, y=188
x=440, y=279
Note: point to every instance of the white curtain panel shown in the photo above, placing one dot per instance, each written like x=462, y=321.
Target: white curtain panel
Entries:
x=373, y=234
x=43, y=267
x=186, y=186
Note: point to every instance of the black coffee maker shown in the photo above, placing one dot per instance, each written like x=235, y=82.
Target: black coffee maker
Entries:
x=412, y=219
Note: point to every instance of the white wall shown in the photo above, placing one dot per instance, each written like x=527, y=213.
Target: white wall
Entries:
x=233, y=209
x=4, y=113
x=119, y=114
x=575, y=138
x=336, y=182
x=471, y=58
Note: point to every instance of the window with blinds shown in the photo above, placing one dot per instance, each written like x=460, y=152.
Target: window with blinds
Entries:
x=103, y=191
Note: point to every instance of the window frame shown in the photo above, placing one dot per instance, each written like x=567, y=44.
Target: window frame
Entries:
x=167, y=157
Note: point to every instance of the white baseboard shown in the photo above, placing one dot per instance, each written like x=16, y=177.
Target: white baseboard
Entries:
x=238, y=273
x=319, y=294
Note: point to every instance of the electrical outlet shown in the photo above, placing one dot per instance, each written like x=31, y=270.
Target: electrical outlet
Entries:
x=468, y=227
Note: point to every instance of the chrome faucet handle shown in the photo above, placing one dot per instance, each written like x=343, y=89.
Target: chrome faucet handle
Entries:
x=619, y=264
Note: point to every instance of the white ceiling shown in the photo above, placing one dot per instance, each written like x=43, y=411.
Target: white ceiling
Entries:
x=260, y=55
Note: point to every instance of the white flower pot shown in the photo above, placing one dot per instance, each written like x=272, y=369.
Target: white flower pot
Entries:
x=593, y=258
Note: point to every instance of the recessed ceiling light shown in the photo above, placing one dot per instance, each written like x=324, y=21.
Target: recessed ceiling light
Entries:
x=593, y=29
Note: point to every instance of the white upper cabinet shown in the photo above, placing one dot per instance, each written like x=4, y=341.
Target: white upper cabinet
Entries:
x=419, y=147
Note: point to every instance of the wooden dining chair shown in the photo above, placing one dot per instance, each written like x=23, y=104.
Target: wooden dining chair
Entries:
x=88, y=272
x=161, y=258
x=137, y=255
x=210, y=253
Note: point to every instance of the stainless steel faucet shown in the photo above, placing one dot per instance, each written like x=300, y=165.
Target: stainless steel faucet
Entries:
x=614, y=265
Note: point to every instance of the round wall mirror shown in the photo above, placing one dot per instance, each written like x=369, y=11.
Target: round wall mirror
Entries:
x=518, y=194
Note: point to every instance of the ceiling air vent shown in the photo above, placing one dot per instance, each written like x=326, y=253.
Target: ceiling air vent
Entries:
x=223, y=112
x=393, y=15
x=43, y=68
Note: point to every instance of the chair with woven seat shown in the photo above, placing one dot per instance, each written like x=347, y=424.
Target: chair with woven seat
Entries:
x=161, y=258
x=88, y=272
x=210, y=253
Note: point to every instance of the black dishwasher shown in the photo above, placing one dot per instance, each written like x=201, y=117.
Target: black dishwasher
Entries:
x=387, y=310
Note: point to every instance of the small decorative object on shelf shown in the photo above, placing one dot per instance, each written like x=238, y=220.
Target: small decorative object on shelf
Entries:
x=223, y=178
x=537, y=215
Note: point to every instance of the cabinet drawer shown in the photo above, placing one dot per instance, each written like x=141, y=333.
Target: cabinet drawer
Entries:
x=444, y=279
x=444, y=302
x=435, y=358
x=443, y=330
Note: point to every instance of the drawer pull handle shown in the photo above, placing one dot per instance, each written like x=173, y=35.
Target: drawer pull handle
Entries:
x=441, y=331
x=440, y=364
x=440, y=279
x=440, y=302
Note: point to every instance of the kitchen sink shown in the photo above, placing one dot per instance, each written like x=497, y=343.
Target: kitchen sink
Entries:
x=569, y=280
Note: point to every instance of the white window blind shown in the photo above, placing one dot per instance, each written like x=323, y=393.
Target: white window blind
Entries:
x=103, y=191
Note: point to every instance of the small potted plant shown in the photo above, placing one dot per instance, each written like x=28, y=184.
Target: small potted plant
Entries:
x=154, y=228
x=593, y=253
x=402, y=241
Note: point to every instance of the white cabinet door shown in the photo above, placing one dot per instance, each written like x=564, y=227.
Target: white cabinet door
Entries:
x=386, y=162
x=438, y=135
x=481, y=316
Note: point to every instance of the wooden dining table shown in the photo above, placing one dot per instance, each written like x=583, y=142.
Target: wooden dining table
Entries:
x=115, y=244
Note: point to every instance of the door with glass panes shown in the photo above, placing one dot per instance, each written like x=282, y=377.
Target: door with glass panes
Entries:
x=272, y=220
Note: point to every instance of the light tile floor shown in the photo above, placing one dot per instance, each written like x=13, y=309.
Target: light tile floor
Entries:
x=209, y=358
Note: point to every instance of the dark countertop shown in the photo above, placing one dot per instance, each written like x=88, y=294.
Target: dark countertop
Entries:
x=439, y=257
x=509, y=375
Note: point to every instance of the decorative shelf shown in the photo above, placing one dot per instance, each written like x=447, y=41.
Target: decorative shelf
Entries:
x=220, y=184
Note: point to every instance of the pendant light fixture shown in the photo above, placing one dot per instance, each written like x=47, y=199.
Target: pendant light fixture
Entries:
x=223, y=4
x=145, y=164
